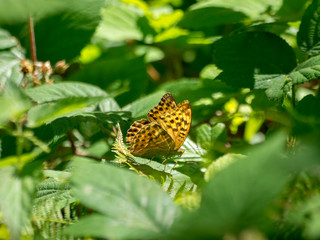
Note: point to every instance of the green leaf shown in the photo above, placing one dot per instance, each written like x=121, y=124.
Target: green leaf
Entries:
x=307, y=119
x=255, y=9
x=208, y=18
x=129, y=206
x=306, y=71
x=20, y=10
x=46, y=113
x=73, y=21
x=244, y=56
x=174, y=178
x=207, y=135
x=120, y=23
x=61, y=125
x=236, y=197
x=307, y=215
x=53, y=206
x=13, y=103
x=151, y=54
x=308, y=106
x=16, y=192
x=291, y=10
x=253, y=125
x=308, y=37
x=204, y=136
x=10, y=69
x=59, y=91
x=117, y=71
x=6, y=40
x=221, y=163
x=277, y=86
x=109, y=105
x=210, y=71
x=23, y=159
x=195, y=89
x=141, y=107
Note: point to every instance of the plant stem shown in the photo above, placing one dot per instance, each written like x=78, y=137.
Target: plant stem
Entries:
x=33, y=49
x=19, y=143
x=73, y=145
x=32, y=42
x=293, y=92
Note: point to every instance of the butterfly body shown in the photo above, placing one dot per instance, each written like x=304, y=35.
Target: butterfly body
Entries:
x=164, y=132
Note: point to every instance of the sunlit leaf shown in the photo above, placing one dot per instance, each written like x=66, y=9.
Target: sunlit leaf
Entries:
x=58, y=91
x=46, y=113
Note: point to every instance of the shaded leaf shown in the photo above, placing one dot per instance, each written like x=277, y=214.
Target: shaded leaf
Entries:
x=72, y=21
x=308, y=37
x=246, y=55
x=231, y=201
x=116, y=70
x=306, y=215
x=207, y=18
x=291, y=10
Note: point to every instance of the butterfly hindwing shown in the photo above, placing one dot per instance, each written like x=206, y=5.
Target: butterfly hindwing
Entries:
x=167, y=103
x=177, y=123
x=152, y=140
x=135, y=128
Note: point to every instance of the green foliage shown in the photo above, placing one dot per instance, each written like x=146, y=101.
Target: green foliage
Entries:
x=250, y=167
x=148, y=210
x=53, y=209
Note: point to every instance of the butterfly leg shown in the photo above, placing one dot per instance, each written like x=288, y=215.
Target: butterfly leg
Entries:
x=164, y=169
x=175, y=164
x=149, y=161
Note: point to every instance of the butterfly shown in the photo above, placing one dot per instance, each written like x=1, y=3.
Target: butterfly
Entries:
x=164, y=132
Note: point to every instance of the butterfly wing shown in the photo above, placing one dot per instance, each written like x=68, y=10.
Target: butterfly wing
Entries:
x=177, y=123
x=152, y=141
x=167, y=103
x=134, y=129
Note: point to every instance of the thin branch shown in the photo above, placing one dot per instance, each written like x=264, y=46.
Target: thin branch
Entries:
x=76, y=152
x=73, y=145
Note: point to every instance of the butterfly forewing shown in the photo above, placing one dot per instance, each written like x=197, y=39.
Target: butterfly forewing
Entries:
x=135, y=128
x=167, y=103
x=177, y=123
x=152, y=140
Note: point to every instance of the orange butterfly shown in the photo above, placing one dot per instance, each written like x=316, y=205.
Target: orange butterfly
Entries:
x=164, y=132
